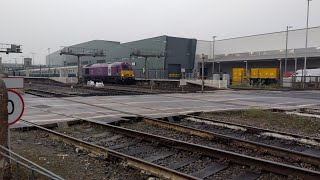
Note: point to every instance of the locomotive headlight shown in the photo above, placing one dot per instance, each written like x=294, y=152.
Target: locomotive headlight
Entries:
x=122, y=75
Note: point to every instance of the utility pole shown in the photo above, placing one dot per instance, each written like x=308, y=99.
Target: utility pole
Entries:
x=286, y=59
x=49, y=61
x=306, y=48
x=202, y=73
x=33, y=59
x=213, y=54
x=280, y=69
x=246, y=69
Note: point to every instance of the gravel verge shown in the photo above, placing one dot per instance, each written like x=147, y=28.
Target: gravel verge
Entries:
x=65, y=160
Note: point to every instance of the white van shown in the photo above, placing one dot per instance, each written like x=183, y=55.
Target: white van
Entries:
x=311, y=74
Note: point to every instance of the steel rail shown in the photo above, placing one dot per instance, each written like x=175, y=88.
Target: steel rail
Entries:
x=100, y=91
x=144, y=91
x=252, y=129
x=277, y=151
x=154, y=169
x=267, y=165
x=47, y=92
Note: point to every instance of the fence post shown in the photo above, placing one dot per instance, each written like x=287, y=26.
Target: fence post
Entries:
x=4, y=163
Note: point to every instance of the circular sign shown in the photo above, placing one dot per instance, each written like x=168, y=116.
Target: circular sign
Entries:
x=15, y=106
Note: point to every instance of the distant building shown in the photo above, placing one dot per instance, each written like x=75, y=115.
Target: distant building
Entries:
x=262, y=50
x=27, y=62
x=258, y=51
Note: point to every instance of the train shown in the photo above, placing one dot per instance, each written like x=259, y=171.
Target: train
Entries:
x=69, y=71
x=117, y=72
x=255, y=75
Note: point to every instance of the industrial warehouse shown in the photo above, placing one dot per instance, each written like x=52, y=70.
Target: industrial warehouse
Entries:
x=173, y=54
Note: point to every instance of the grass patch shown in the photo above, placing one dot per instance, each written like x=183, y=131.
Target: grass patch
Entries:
x=272, y=120
x=256, y=113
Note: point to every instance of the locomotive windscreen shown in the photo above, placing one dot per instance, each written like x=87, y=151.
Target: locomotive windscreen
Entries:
x=126, y=67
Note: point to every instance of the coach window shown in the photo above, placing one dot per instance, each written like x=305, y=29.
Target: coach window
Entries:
x=86, y=71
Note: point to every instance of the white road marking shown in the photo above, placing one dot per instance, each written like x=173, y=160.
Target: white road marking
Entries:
x=302, y=140
x=304, y=114
x=216, y=124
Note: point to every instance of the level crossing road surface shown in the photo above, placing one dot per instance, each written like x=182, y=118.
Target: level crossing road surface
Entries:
x=51, y=110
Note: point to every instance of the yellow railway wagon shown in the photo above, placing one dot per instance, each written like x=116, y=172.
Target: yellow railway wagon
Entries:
x=238, y=75
x=264, y=73
x=264, y=76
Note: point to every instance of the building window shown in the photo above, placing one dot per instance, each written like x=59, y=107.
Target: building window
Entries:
x=101, y=61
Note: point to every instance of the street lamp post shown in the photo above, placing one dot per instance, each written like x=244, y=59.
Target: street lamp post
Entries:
x=286, y=59
x=33, y=58
x=22, y=59
x=202, y=73
x=213, y=54
x=280, y=69
x=246, y=67
x=306, y=48
x=49, y=61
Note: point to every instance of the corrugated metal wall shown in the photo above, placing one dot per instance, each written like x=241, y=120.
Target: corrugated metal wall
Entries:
x=263, y=42
x=268, y=42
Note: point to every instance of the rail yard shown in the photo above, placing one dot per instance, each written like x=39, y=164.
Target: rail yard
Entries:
x=131, y=132
x=160, y=90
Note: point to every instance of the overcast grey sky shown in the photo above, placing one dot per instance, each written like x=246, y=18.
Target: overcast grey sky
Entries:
x=40, y=24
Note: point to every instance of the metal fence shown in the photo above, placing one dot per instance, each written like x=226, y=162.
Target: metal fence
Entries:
x=163, y=74
x=23, y=168
x=307, y=82
x=152, y=73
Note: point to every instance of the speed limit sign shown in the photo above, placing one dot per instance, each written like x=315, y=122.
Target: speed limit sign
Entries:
x=15, y=106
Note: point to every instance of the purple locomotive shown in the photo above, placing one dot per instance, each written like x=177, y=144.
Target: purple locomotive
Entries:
x=117, y=72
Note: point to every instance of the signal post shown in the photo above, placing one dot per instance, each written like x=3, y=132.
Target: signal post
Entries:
x=4, y=119
x=4, y=163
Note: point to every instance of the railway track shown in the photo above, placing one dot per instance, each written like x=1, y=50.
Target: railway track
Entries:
x=66, y=159
x=240, y=143
x=240, y=129
x=253, y=133
x=212, y=139
x=128, y=89
x=63, y=91
x=275, y=145
x=311, y=110
x=280, y=152
x=156, y=89
x=171, y=158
